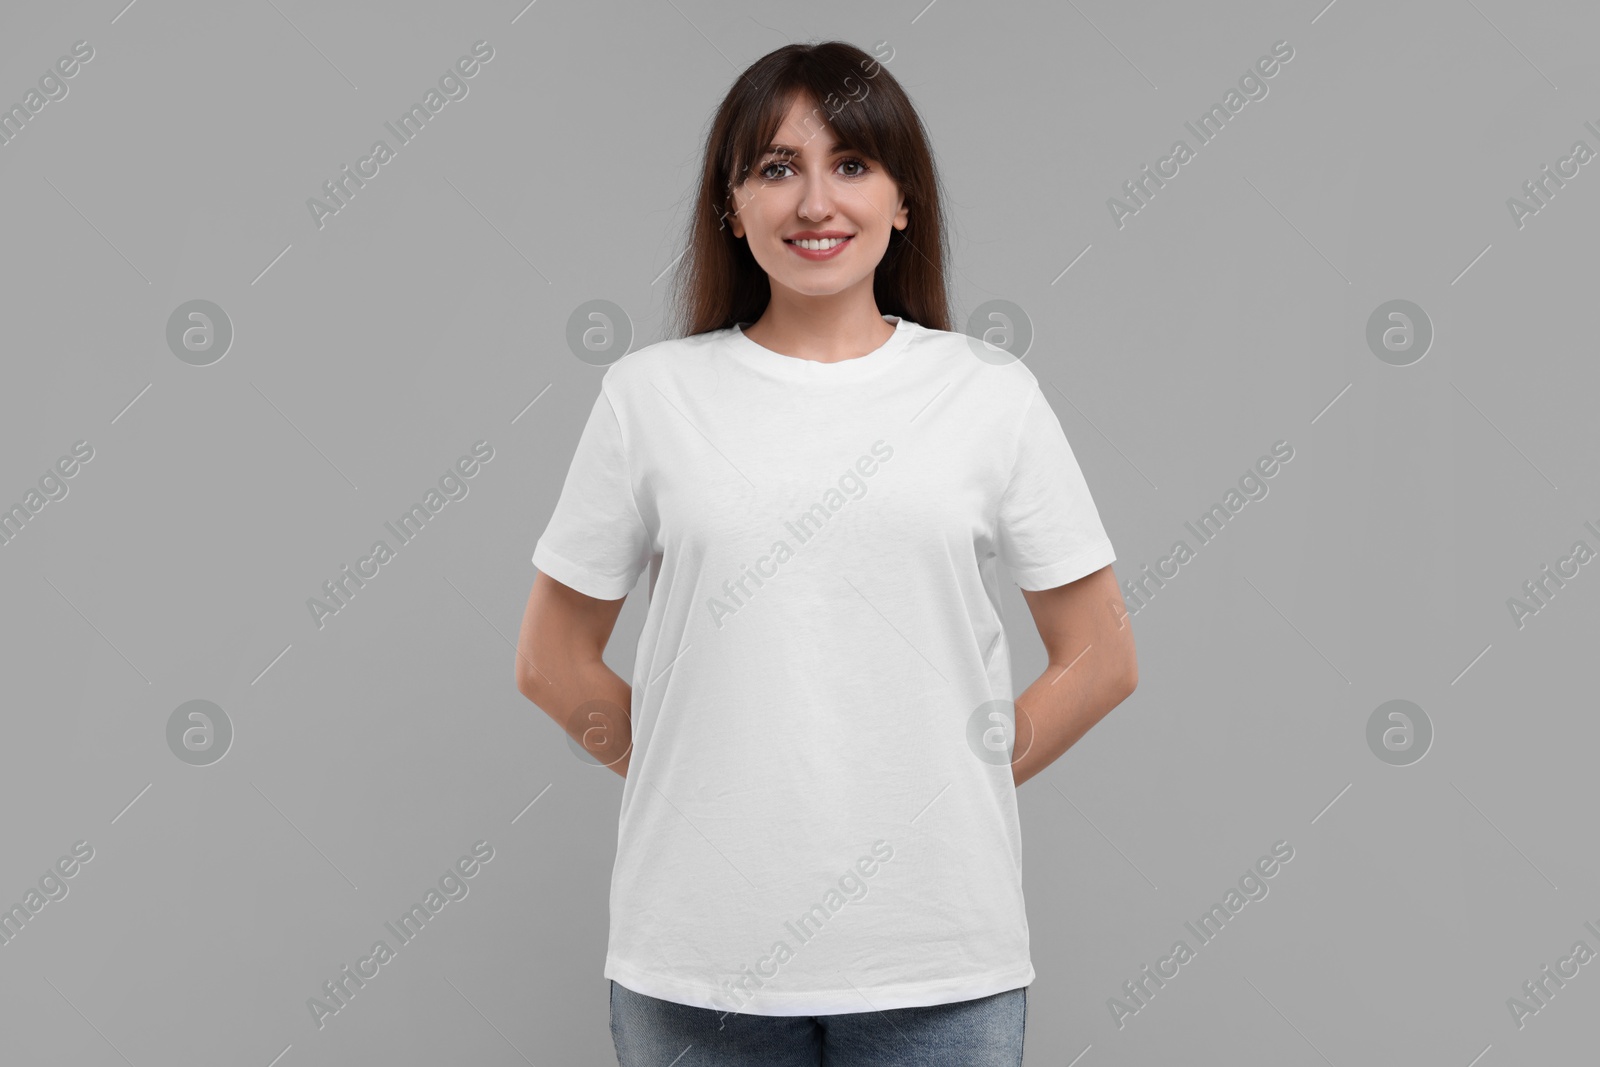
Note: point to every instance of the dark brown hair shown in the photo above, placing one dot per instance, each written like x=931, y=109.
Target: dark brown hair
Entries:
x=718, y=282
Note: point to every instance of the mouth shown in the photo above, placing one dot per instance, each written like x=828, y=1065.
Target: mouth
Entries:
x=816, y=244
x=817, y=248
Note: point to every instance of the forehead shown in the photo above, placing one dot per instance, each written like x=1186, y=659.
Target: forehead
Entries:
x=805, y=129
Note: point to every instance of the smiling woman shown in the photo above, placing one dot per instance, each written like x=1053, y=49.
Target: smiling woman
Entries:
x=835, y=171
x=833, y=713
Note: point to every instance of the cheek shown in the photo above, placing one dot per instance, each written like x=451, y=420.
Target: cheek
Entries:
x=877, y=207
x=760, y=213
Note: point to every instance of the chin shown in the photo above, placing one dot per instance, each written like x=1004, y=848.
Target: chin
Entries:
x=818, y=290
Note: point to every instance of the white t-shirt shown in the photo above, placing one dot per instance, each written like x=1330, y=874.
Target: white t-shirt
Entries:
x=819, y=815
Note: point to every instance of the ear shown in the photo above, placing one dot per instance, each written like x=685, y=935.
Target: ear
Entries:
x=902, y=217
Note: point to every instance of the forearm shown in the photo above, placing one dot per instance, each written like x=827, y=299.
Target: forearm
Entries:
x=1060, y=707
x=587, y=699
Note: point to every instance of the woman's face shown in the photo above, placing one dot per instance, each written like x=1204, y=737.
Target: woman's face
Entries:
x=806, y=187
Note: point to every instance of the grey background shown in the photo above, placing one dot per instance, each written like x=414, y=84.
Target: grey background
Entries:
x=427, y=315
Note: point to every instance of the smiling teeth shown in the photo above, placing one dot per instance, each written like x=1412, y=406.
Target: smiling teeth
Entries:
x=820, y=246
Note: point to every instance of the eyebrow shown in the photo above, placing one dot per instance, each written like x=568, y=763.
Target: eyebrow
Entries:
x=785, y=150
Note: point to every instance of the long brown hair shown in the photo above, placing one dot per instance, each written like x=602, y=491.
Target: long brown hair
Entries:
x=718, y=282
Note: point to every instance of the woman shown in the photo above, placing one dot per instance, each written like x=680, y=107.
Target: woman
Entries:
x=818, y=853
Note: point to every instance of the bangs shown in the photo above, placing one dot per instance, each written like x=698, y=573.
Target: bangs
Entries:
x=857, y=124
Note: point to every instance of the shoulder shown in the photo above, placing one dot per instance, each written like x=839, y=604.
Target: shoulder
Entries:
x=983, y=373
x=653, y=364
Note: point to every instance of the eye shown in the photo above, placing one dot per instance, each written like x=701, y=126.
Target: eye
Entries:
x=764, y=172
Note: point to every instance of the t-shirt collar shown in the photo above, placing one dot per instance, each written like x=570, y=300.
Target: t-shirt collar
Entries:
x=794, y=368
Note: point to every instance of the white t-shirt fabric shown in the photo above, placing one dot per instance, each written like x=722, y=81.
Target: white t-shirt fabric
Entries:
x=815, y=820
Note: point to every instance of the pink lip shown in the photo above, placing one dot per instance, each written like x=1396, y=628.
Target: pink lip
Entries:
x=822, y=253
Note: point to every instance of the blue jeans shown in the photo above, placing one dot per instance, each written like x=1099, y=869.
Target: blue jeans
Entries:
x=986, y=1032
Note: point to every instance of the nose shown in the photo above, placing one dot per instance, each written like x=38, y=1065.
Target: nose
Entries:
x=816, y=202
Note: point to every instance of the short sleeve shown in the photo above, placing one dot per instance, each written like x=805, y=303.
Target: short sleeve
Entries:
x=1049, y=531
x=596, y=541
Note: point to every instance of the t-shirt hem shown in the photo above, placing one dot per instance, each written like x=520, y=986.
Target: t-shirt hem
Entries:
x=824, y=1001
x=1070, y=569
x=581, y=578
